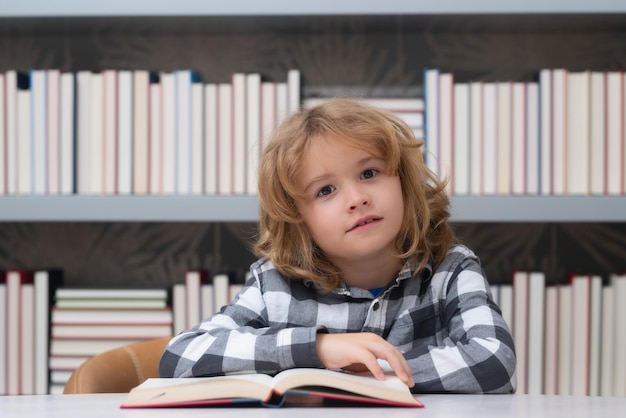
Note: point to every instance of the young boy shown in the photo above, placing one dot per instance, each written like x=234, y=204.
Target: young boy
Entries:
x=358, y=266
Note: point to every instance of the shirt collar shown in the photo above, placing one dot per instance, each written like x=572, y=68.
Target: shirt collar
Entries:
x=406, y=272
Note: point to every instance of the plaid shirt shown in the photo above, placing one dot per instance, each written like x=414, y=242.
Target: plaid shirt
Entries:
x=446, y=325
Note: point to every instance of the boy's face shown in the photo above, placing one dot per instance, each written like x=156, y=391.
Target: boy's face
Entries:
x=353, y=208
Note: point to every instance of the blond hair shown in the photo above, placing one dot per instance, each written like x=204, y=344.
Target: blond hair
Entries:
x=283, y=237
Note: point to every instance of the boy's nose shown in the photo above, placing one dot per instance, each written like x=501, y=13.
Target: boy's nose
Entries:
x=355, y=205
x=359, y=199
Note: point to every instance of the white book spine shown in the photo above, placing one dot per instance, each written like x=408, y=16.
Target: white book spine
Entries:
x=225, y=139
x=559, y=129
x=96, y=139
x=294, y=95
x=240, y=148
x=197, y=138
x=461, y=135
x=11, y=131
x=282, y=102
x=210, y=139
x=520, y=327
x=431, y=93
x=125, y=133
x=39, y=131
x=179, y=310
x=169, y=132
x=614, y=134
x=183, y=132
x=476, y=138
x=551, y=349
x=67, y=133
x=504, y=138
x=3, y=142
x=13, y=327
x=619, y=364
x=536, y=322
x=490, y=138
x=546, y=134
x=221, y=289
x=53, y=120
x=595, y=338
x=446, y=133
x=141, y=126
x=253, y=130
x=83, y=117
x=578, y=133
x=27, y=340
x=581, y=296
x=565, y=340
x=110, y=130
x=3, y=337
x=42, y=336
x=156, y=139
x=597, y=134
x=533, y=151
x=192, y=298
x=624, y=133
x=268, y=111
x=24, y=143
x=608, y=341
x=518, y=156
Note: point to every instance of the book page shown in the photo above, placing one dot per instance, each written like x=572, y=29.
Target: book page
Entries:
x=364, y=384
x=171, y=391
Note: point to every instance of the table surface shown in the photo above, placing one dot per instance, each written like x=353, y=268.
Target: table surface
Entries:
x=453, y=406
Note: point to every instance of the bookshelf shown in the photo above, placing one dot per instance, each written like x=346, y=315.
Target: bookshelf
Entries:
x=371, y=48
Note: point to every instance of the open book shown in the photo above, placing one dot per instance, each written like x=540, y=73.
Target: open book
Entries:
x=295, y=387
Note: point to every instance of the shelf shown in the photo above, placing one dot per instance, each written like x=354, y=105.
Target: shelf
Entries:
x=128, y=209
x=81, y=8
x=539, y=209
x=245, y=209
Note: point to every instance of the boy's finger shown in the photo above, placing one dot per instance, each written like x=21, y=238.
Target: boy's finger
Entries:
x=400, y=367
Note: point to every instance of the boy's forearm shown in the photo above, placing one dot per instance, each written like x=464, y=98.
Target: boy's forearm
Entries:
x=478, y=366
x=198, y=353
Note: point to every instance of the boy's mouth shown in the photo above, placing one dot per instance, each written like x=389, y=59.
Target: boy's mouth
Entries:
x=364, y=221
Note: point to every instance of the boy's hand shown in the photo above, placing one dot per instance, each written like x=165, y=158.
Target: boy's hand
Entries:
x=361, y=351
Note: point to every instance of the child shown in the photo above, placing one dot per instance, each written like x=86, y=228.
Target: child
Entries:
x=358, y=266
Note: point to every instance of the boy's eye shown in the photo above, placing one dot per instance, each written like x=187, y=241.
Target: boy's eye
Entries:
x=325, y=191
x=369, y=173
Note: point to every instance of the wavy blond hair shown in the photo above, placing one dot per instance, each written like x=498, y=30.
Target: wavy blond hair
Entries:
x=283, y=236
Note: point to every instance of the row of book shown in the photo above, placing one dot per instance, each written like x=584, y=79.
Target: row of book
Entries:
x=47, y=330
x=570, y=338
x=136, y=131
x=562, y=134
x=88, y=321
x=25, y=297
x=141, y=132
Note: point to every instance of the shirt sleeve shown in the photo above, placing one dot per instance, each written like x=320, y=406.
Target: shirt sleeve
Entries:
x=475, y=353
x=239, y=339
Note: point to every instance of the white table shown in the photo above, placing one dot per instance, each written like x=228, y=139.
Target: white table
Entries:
x=452, y=406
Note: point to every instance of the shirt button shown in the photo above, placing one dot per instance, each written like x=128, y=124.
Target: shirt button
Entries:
x=376, y=306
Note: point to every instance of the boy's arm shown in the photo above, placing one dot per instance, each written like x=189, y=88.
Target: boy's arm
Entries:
x=477, y=354
x=239, y=339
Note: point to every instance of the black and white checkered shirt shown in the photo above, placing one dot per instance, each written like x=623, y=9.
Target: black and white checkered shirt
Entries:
x=446, y=324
